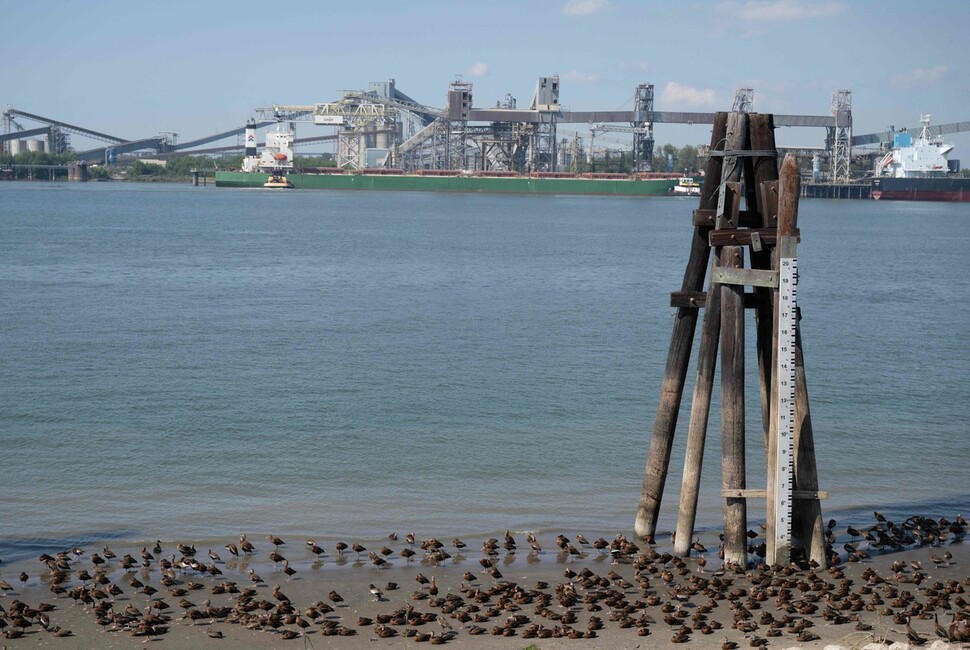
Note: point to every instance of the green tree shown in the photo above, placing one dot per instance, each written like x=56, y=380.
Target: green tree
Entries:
x=139, y=168
x=98, y=173
x=663, y=156
x=687, y=159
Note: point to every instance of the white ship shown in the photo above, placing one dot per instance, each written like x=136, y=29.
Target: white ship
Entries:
x=276, y=158
x=924, y=158
x=919, y=170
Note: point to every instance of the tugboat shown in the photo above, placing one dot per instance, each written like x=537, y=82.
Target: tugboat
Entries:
x=686, y=186
x=278, y=182
x=920, y=170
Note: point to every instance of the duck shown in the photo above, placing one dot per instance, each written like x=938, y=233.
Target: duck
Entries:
x=245, y=545
x=279, y=595
x=377, y=560
x=914, y=637
x=384, y=632
x=680, y=637
x=276, y=557
x=376, y=592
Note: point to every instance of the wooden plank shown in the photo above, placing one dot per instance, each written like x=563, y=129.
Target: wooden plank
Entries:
x=768, y=236
x=698, y=299
x=745, y=218
x=746, y=277
x=761, y=493
x=678, y=355
x=688, y=299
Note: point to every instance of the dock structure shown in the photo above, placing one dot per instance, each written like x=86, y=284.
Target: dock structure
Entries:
x=862, y=190
x=744, y=160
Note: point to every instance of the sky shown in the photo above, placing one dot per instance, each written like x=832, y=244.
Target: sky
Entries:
x=137, y=69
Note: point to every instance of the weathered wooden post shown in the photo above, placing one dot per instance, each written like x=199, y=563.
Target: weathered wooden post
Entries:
x=807, y=510
x=725, y=215
x=732, y=409
x=732, y=352
x=678, y=356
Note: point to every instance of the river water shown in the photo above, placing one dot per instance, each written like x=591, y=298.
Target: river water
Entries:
x=182, y=362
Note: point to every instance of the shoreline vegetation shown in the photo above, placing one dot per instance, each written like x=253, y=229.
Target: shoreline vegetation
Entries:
x=905, y=582
x=178, y=169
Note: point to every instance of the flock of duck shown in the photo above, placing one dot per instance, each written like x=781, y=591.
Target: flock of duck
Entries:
x=645, y=591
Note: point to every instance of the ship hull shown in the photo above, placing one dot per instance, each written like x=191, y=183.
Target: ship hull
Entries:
x=921, y=189
x=505, y=184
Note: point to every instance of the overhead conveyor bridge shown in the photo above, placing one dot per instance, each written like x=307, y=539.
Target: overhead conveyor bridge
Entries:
x=27, y=133
x=10, y=113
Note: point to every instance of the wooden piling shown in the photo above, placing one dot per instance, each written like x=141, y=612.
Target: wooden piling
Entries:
x=807, y=516
x=764, y=169
x=768, y=227
x=699, y=413
x=732, y=404
x=678, y=355
x=728, y=205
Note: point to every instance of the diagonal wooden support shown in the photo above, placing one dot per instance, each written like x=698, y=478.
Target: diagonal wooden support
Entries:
x=678, y=356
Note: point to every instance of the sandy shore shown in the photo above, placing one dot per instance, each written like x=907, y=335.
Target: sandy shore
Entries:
x=640, y=598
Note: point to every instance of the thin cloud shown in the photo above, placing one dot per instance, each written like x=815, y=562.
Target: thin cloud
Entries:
x=580, y=77
x=780, y=11
x=676, y=94
x=477, y=70
x=584, y=7
x=920, y=77
x=638, y=67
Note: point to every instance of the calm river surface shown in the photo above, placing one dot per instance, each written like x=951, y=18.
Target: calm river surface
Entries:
x=192, y=362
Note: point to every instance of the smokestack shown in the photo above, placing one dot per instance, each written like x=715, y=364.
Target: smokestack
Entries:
x=251, y=138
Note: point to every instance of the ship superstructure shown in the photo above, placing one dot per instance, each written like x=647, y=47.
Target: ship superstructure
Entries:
x=922, y=158
x=277, y=155
x=919, y=170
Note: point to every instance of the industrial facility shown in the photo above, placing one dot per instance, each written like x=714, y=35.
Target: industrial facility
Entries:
x=383, y=127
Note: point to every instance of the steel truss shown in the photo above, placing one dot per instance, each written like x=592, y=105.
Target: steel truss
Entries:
x=840, y=136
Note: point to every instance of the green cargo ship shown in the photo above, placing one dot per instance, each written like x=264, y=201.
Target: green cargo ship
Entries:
x=615, y=185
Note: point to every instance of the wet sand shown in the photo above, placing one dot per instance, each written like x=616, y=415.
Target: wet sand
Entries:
x=634, y=606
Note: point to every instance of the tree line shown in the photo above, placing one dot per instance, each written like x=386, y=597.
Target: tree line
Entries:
x=666, y=158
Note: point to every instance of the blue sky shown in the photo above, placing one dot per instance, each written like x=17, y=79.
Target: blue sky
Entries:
x=135, y=69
